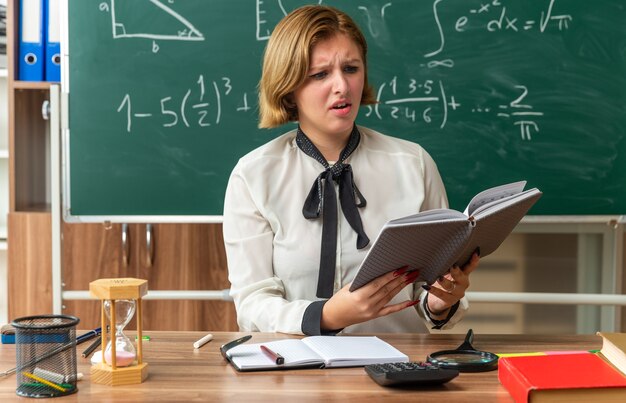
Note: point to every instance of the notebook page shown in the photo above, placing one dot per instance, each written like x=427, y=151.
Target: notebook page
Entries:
x=247, y=356
x=493, y=194
x=343, y=351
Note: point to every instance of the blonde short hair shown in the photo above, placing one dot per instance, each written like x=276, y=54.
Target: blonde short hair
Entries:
x=287, y=58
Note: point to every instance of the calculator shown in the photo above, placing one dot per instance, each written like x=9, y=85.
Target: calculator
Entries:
x=410, y=373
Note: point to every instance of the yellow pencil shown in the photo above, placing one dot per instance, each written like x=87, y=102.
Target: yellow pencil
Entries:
x=502, y=355
x=45, y=382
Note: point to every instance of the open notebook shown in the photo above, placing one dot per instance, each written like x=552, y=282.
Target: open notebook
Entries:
x=316, y=351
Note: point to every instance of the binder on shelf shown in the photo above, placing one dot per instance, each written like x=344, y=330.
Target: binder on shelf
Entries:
x=31, y=40
x=53, y=41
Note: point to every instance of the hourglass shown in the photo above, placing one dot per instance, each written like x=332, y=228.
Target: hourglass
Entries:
x=124, y=349
x=120, y=299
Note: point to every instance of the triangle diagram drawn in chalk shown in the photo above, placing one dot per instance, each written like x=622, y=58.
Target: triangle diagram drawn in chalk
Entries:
x=150, y=19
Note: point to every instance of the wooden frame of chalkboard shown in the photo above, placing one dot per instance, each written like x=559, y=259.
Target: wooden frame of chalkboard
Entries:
x=159, y=108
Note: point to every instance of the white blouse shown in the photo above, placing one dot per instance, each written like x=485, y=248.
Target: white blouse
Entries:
x=273, y=252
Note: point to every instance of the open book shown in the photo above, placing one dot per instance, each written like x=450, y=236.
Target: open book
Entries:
x=433, y=241
x=316, y=351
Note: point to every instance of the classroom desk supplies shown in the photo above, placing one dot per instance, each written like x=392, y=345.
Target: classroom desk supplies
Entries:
x=56, y=377
x=231, y=344
x=416, y=373
x=614, y=349
x=315, y=351
x=433, y=241
x=119, y=298
x=49, y=354
x=89, y=335
x=465, y=358
x=203, y=341
x=561, y=377
x=46, y=343
x=7, y=334
x=90, y=349
x=43, y=382
x=277, y=358
x=178, y=372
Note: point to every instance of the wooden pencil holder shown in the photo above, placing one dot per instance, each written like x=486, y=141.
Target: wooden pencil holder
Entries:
x=119, y=298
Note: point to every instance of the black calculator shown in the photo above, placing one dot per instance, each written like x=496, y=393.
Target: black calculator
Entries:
x=410, y=373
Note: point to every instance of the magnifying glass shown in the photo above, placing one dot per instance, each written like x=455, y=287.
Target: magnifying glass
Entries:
x=465, y=358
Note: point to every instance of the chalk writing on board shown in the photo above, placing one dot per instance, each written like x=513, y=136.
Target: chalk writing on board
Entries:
x=425, y=95
x=427, y=101
x=368, y=17
x=432, y=94
x=180, y=30
x=519, y=111
x=192, y=109
x=269, y=12
x=496, y=18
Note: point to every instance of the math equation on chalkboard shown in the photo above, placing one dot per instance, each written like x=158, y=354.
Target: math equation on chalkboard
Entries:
x=194, y=108
x=417, y=100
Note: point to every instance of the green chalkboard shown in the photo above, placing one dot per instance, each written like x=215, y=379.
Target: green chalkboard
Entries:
x=162, y=98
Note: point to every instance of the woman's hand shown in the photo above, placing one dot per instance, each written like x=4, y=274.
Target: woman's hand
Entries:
x=450, y=288
x=368, y=302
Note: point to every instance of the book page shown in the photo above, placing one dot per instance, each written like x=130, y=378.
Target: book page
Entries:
x=503, y=202
x=506, y=203
x=493, y=225
x=494, y=193
x=250, y=356
x=428, y=215
x=347, y=351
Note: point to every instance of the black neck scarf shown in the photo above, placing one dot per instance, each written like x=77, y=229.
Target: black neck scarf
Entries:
x=322, y=200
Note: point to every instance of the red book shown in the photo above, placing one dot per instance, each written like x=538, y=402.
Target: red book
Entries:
x=562, y=377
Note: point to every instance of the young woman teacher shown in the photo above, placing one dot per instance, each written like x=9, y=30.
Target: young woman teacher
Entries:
x=300, y=211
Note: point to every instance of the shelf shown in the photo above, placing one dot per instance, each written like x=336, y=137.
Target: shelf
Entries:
x=3, y=245
x=35, y=208
x=4, y=154
x=31, y=85
x=4, y=72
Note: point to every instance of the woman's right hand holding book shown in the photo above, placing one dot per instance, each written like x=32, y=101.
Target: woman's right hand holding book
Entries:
x=450, y=288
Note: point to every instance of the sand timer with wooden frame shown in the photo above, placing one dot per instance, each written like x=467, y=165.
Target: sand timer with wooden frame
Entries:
x=119, y=298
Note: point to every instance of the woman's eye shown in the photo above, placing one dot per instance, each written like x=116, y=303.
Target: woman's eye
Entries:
x=351, y=69
x=318, y=76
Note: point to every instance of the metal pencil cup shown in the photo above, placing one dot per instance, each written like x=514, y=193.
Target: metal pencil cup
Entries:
x=46, y=355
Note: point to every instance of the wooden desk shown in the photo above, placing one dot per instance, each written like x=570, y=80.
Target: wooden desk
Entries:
x=177, y=372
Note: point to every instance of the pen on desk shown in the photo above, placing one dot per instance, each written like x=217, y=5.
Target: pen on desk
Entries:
x=203, y=341
x=92, y=347
x=88, y=336
x=277, y=358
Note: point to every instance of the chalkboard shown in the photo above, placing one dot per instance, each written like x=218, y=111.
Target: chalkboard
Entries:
x=162, y=98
